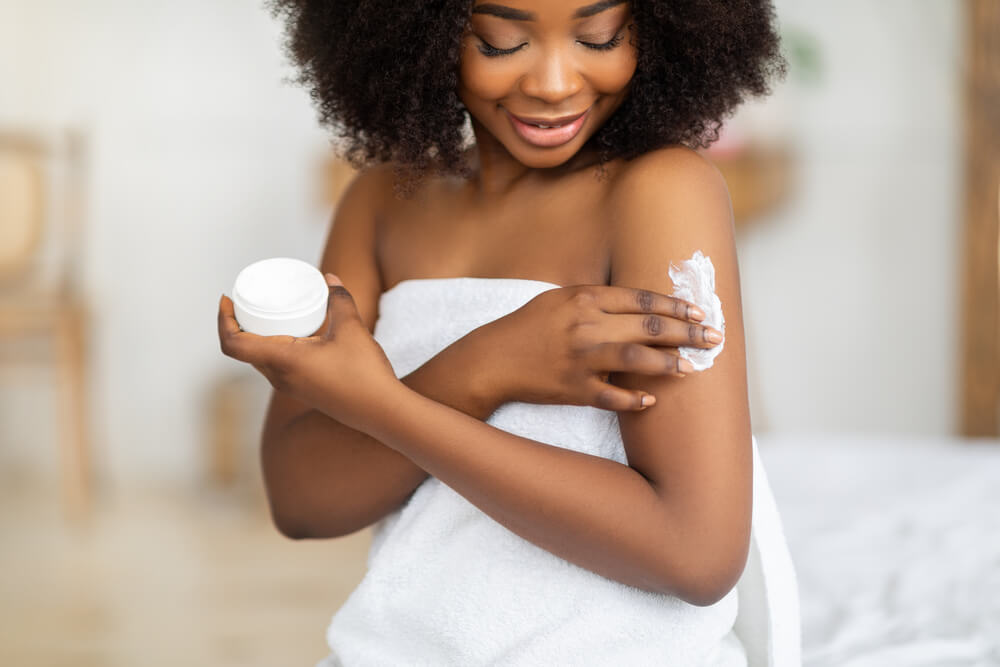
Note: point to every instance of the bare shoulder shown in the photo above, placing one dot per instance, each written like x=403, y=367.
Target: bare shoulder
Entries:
x=676, y=177
x=369, y=187
x=375, y=188
x=350, y=247
x=669, y=161
x=671, y=200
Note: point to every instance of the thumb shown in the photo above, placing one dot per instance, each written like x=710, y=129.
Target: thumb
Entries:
x=632, y=400
x=340, y=305
x=612, y=397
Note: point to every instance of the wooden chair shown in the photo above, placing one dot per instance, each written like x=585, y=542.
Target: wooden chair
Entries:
x=41, y=209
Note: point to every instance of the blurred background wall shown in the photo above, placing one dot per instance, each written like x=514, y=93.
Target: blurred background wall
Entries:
x=202, y=159
x=852, y=288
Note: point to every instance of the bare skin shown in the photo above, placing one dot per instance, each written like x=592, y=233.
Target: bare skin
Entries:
x=676, y=519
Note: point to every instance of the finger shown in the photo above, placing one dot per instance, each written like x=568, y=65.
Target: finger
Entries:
x=653, y=329
x=638, y=358
x=340, y=304
x=227, y=317
x=235, y=342
x=609, y=397
x=616, y=299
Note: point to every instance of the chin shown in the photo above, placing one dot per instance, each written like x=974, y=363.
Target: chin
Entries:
x=544, y=158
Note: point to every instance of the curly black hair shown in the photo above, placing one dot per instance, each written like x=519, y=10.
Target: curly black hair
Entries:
x=384, y=75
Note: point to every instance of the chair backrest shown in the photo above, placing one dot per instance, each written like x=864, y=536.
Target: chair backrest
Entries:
x=21, y=206
x=41, y=208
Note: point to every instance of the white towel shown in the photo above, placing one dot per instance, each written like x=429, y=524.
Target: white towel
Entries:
x=448, y=585
x=768, y=621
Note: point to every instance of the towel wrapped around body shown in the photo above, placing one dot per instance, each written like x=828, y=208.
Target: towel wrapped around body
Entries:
x=448, y=585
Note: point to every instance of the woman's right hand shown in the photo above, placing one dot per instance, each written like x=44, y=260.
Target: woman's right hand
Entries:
x=561, y=346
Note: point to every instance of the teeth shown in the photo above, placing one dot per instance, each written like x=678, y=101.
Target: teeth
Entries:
x=545, y=126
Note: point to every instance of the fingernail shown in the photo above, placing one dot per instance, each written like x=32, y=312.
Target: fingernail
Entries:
x=685, y=366
x=714, y=337
x=648, y=400
x=697, y=313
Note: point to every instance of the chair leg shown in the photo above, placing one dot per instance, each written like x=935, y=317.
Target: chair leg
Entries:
x=75, y=463
x=226, y=418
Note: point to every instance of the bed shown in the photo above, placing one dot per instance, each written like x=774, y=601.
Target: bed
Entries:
x=896, y=545
x=896, y=539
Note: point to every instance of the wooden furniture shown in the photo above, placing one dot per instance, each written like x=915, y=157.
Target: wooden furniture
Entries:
x=980, y=347
x=41, y=209
x=759, y=178
x=236, y=405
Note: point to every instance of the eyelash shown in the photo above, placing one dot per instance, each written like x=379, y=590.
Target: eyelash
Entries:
x=493, y=52
x=606, y=46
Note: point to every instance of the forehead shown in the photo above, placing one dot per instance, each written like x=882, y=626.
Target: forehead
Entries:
x=543, y=10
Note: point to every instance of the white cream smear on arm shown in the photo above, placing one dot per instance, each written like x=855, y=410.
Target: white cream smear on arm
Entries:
x=694, y=281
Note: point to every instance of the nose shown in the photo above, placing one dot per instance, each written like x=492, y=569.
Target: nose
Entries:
x=553, y=77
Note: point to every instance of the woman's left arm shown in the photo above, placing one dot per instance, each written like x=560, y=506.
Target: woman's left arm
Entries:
x=675, y=520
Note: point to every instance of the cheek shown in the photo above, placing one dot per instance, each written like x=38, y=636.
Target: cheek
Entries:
x=482, y=78
x=611, y=75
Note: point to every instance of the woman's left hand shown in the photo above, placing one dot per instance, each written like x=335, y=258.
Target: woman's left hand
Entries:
x=340, y=370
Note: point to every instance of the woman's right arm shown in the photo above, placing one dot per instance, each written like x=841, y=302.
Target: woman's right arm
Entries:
x=325, y=479
x=322, y=478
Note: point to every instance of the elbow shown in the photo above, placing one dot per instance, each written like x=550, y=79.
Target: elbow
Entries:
x=297, y=525
x=706, y=583
x=290, y=526
x=710, y=591
x=301, y=530
x=297, y=517
x=287, y=517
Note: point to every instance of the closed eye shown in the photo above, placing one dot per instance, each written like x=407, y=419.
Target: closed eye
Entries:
x=488, y=49
x=605, y=46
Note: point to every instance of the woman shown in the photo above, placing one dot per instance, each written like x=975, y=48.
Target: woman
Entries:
x=554, y=484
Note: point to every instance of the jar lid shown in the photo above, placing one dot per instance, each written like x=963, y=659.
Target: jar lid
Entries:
x=280, y=287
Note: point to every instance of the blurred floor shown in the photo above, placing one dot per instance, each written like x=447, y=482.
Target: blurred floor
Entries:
x=164, y=578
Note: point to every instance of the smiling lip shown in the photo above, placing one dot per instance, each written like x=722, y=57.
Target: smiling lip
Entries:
x=565, y=128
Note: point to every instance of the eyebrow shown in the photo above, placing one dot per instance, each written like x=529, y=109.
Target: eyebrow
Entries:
x=519, y=15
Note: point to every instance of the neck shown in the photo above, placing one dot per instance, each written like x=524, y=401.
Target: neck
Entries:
x=496, y=172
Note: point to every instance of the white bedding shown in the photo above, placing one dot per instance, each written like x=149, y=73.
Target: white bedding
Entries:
x=896, y=543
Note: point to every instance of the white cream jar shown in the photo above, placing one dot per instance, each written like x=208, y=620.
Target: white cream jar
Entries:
x=280, y=296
